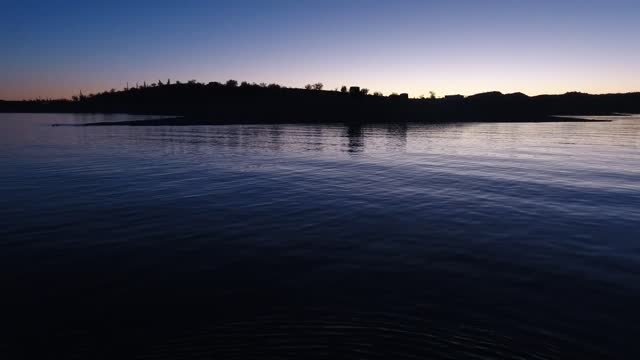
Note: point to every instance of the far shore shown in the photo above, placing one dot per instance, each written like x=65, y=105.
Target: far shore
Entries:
x=205, y=121
x=194, y=103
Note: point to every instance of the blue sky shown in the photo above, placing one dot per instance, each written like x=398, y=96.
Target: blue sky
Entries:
x=56, y=48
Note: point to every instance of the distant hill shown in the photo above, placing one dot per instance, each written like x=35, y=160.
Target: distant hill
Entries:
x=233, y=103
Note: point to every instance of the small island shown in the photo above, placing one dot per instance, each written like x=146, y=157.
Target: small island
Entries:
x=195, y=103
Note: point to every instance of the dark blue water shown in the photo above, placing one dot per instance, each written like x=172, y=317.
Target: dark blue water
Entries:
x=475, y=241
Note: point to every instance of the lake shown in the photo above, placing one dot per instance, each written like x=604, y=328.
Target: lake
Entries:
x=469, y=240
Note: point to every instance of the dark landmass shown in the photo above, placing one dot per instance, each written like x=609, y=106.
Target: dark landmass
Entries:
x=215, y=103
x=194, y=121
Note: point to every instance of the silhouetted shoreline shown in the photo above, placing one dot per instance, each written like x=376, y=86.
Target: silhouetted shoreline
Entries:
x=215, y=103
x=186, y=121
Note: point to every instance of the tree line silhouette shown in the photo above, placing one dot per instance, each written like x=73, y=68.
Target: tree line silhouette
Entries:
x=243, y=102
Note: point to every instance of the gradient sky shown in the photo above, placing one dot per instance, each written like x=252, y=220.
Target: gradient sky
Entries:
x=56, y=48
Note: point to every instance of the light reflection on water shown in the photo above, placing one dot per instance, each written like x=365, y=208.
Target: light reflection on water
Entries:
x=320, y=241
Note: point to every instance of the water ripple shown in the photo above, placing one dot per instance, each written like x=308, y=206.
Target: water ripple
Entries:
x=411, y=241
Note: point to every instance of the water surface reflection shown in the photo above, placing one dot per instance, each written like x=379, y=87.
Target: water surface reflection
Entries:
x=319, y=241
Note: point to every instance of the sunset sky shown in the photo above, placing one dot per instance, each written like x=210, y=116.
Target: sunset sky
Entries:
x=57, y=48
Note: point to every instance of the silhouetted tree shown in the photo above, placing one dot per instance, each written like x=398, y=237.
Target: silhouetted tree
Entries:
x=317, y=86
x=378, y=93
x=364, y=91
x=343, y=89
x=432, y=95
x=232, y=83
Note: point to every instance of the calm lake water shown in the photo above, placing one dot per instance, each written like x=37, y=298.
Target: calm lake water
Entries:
x=475, y=241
